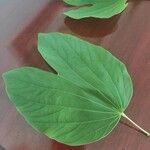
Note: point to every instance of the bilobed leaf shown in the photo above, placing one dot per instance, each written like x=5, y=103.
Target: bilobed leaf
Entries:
x=95, y=8
x=83, y=102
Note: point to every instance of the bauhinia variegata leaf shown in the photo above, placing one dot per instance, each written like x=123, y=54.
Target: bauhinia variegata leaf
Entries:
x=95, y=8
x=80, y=104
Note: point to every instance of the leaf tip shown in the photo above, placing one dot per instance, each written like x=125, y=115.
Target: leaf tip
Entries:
x=66, y=13
x=40, y=35
x=4, y=76
x=71, y=15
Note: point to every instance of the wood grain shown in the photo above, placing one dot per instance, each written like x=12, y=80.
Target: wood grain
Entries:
x=127, y=36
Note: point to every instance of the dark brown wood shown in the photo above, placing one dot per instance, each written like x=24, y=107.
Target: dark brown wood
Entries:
x=127, y=36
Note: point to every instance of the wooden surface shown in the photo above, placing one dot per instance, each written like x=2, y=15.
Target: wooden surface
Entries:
x=127, y=36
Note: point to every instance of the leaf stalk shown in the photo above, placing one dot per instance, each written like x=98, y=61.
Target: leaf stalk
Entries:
x=137, y=126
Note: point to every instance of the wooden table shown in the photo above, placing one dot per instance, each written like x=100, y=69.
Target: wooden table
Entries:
x=127, y=36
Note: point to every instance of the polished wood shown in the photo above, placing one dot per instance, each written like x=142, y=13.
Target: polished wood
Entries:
x=127, y=36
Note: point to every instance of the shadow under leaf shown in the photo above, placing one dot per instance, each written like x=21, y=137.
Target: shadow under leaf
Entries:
x=92, y=27
x=59, y=146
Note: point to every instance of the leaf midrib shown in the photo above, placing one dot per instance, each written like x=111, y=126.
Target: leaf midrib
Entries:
x=84, y=79
x=88, y=110
x=77, y=122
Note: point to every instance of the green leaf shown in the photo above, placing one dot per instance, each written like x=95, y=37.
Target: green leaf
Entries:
x=83, y=102
x=95, y=8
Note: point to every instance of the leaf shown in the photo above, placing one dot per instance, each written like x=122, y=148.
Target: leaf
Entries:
x=83, y=102
x=95, y=8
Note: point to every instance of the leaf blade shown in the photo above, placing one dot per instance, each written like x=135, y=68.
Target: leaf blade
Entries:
x=98, y=9
x=85, y=57
x=88, y=95
x=46, y=114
